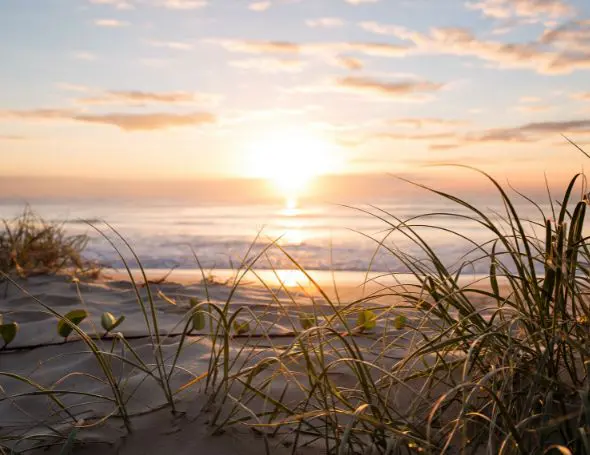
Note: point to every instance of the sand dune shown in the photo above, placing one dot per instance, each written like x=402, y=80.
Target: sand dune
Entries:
x=40, y=354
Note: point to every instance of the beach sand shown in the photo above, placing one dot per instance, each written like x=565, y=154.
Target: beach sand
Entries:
x=39, y=353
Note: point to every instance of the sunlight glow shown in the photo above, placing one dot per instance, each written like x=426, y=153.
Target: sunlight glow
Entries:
x=290, y=159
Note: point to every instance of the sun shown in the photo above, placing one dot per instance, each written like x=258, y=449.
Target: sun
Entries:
x=291, y=158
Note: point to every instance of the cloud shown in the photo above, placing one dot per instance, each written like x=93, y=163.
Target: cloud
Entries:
x=37, y=114
x=426, y=122
x=505, y=9
x=111, y=23
x=139, y=98
x=403, y=89
x=413, y=137
x=73, y=87
x=529, y=99
x=269, y=65
x=147, y=122
x=9, y=137
x=124, y=121
x=325, y=22
x=182, y=4
x=582, y=96
x=534, y=108
x=462, y=42
x=452, y=139
x=259, y=6
x=84, y=55
x=360, y=2
x=322, y=49
x=118, y=4
x=174, y=45
x=530, y=104
x=528, y=133
x=571, y=36
x=349, y=63
x=256, y=47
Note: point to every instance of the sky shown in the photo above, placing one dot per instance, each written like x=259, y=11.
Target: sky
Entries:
x=209, y=89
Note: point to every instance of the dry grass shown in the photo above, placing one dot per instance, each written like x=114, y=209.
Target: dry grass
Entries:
x=30, y=245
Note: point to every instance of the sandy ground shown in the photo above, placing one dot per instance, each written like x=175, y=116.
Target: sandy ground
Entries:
x=39, y=353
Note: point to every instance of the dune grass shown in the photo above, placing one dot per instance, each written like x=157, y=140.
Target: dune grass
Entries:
x=30, y=245
x=496, y=365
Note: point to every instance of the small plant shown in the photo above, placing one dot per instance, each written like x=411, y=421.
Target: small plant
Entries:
x=8, y=331
x=30, y=245
x=109, y=322
x=198, y=315
x=400, y=322
x=75, y=317
x=308, y=320
x=367, y=320
x=241, y=328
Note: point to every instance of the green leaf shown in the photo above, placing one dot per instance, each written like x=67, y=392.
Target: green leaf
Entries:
x=198, y=318
x=367, y=320
x=8, y=332
x=75, y=317
x=308, y=320
x=109, y=322
x=400, y=322
x=241, y=327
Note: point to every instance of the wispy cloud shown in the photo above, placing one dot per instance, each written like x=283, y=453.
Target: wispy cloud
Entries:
x=270, y=65
x=174, y=45
x=528, y=133
x=147, y=122
x=401, y=89
x=360, y=2
x=37, y=114
x=462, y=42
x=10, y=137
x=504, y=9
x=118, y=4
x=111, y=23
x=256, y=47
x=325, y=22
x=124, y=121
x=573, y=36
x=73, y=87
x=259, y=6
x=581, y=96
x=84, y=55
x=348, y=62
x=139, y=98
x=426, y=122
x=534, y=108
x=318, y=48
x=182, y=4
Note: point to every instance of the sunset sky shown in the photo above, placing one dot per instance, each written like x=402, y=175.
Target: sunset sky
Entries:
x=221, y=88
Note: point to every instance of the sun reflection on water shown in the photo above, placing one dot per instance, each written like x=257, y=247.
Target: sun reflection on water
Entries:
x=293, y=278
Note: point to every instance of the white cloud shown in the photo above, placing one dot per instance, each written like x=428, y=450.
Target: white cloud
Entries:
x=259, y=6
x=174, y=45
x=325, y=22
x=505, y=9
x=84, y=55
x=112, y=23
x=360, y=2
x=269, y=65
x=118, y=4
x=182, y=4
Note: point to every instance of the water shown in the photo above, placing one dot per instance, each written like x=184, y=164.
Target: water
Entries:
x=319, y=237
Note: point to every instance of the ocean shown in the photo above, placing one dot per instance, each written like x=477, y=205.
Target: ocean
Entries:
x=325, y=237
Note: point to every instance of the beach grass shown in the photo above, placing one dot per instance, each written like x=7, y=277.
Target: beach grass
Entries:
x=498, y=364
x=31, y=245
